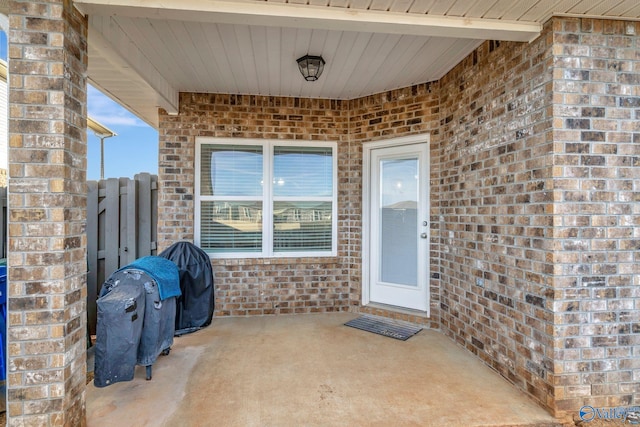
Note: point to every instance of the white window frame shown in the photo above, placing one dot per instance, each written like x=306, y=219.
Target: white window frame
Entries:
x=267, y=196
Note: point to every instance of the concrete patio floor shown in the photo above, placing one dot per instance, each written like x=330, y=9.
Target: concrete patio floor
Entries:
x=311, y=370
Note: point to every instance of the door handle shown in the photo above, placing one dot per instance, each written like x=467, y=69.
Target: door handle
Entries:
x=424, y=235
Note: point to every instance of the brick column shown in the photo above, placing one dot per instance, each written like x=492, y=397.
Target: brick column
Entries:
x=596, y=213
x=47, y=214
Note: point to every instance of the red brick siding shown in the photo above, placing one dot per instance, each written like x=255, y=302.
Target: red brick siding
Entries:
x=596, y=214
x=495, y=158
x=257, y=286
x=47, y=214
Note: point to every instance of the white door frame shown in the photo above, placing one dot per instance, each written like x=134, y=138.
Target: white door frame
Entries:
x=367, y=147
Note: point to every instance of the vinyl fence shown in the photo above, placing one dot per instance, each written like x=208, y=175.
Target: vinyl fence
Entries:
x=122, y=217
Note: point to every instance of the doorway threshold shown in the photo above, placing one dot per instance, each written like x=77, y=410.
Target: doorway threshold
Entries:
x=396, y=309
x=399, y=313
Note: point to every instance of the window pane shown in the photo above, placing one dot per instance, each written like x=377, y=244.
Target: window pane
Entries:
x=303, y=171
x=231, y=170
x=301, y=226
x=231, y=226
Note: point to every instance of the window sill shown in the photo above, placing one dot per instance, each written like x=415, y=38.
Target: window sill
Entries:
x=275, y=261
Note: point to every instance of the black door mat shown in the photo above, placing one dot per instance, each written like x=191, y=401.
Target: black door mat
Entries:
x=386, y=327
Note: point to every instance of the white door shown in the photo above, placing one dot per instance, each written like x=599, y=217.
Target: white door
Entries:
x=398, y=227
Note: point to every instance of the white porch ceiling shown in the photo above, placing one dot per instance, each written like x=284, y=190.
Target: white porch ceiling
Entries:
x=142, y=53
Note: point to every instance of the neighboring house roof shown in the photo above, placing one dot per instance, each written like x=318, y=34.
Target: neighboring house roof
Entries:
x=101, y=132
x=99, y=129
x=142, y=54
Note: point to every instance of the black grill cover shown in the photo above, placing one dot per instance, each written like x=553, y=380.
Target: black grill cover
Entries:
x=194, y=309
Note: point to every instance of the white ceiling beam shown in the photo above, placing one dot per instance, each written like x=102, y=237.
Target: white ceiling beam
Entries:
x=112, y=43
x=305, y=16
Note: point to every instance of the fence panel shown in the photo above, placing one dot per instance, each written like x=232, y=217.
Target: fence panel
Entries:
x=92, y=253
x=121, y=227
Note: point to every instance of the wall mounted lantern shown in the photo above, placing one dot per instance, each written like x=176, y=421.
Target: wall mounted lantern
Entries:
x=311, y=67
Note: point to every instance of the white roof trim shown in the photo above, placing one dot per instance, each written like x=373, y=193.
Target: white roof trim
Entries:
x=304, y=16
x=105, y=37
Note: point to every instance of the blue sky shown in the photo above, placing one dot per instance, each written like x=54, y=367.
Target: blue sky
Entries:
x=133, y=150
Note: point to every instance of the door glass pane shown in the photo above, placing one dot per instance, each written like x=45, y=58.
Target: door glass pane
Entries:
x=399, y=221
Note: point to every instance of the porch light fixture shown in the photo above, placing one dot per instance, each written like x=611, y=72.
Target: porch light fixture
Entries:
x=311, y=67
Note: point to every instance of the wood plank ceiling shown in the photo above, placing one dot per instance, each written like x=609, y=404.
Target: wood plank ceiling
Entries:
x=143, y=52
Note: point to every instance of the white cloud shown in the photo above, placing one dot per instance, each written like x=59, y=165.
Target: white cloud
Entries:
x=108, y=112
x=114, y=120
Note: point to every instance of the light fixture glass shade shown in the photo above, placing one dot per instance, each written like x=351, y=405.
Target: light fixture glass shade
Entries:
x=311, y=67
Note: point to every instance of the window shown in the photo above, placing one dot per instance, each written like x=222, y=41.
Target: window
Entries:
x=237, y=215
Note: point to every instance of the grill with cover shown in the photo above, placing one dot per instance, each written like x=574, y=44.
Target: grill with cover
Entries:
x=195, y=305
x=136, y=319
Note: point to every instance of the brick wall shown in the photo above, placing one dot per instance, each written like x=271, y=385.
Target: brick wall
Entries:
x=285, y=286
x=257, y=286
x=47, y=214
x=495, y=156
x=596, y=212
